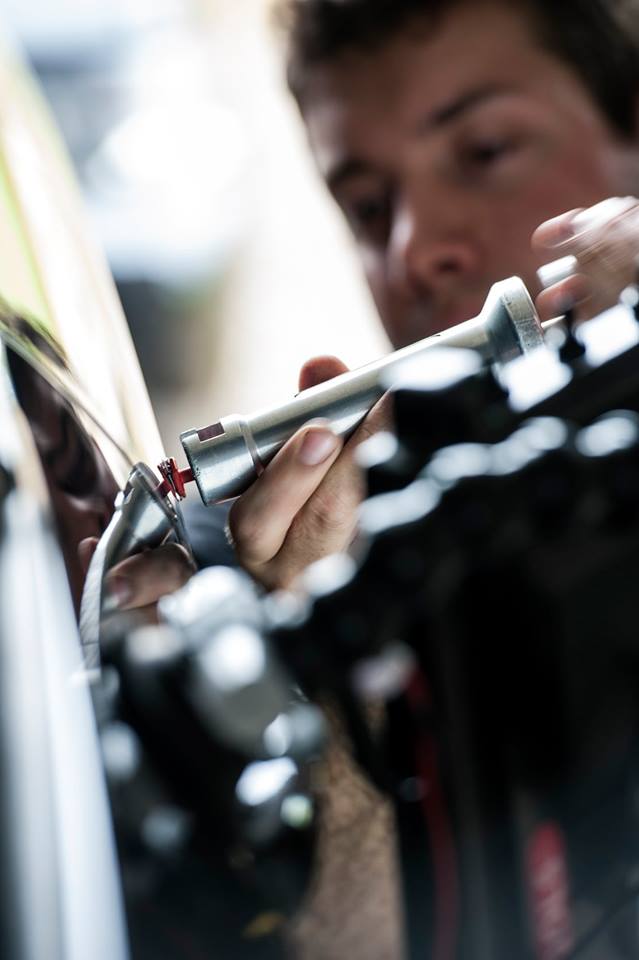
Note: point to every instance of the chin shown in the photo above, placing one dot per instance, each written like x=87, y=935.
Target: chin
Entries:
x=454, y=317
x=411, y=328
x=446, y=320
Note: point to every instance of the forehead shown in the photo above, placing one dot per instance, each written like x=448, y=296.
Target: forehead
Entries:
x=365, y=101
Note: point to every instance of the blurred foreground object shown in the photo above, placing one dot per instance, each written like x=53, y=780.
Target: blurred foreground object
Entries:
x=490, y=606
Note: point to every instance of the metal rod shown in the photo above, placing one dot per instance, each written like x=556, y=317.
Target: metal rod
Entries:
x=227, y=456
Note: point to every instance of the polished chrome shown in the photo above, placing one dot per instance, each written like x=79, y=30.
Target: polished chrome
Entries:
x=143, y=518
x=226, y=457
x=60, y=895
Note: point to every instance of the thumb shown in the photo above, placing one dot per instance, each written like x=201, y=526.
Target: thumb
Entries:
x=86, y=549
x=318, y=369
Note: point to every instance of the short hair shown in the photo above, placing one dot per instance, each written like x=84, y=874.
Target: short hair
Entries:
x=598, y=39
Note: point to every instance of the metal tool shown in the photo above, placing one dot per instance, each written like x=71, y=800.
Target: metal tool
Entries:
x=226, y=457
x=144, y=517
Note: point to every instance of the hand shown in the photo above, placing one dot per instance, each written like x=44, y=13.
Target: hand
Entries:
x=605, y=241
x=139, y=581
x=304, y=506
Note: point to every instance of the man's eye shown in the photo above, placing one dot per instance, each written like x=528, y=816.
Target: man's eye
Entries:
x=369, y=216
x=487, y=153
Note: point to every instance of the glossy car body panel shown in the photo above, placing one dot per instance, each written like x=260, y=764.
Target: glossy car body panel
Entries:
x=59, y=887
x=74, y=416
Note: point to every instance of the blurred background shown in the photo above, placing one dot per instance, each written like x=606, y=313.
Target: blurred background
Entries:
x=231, y=263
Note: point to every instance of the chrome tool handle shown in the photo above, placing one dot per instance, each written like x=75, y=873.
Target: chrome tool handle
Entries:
x=226, y=457
x=143, y=518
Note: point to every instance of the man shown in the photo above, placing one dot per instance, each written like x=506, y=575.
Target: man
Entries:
x=447, y=132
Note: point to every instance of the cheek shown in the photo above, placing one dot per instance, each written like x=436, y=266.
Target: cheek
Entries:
x=389, y=304
x=573, y=177
x=568, y=185
x=374, y=265
x=506, y=238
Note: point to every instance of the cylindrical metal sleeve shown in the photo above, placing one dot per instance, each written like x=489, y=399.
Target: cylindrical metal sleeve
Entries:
x=228, y=456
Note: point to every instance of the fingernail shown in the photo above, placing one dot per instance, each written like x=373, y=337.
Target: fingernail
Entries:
x=317, y=446
x=558, y=270
x=562, y=304
x=564, y=231
x=120, y=591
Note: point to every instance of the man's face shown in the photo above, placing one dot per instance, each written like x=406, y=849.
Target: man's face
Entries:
x=445, y=149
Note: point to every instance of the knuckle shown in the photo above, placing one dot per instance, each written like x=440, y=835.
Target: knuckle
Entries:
x=175, y=562
x=371, y=426
x=367, y=430
x=246, y=531
x=330, y=512
x=379, y=418
x=155, y=572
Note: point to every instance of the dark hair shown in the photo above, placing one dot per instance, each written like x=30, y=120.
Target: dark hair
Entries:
x=599, y=39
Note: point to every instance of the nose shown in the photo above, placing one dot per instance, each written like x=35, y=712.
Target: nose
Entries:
x=428, y=253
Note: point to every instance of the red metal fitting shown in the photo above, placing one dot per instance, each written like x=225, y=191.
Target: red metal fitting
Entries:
x=174, y=480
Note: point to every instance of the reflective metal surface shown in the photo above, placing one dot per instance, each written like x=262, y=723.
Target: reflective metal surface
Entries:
x=74, y=417
x=59, y=886
x=81, y=485
x=69, y=353
x=144, y=517
x=226, y=457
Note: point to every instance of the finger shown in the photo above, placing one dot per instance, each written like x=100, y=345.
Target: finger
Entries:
x=147, y=615
x=554, y=232
x=144, y=578
x=609, y=252
x=328, y=520
x=570, y=294
x=319, y=369
x=379, y=418
x=260, y=519
x=600, y=236
x=86, y=549
x=577, y=227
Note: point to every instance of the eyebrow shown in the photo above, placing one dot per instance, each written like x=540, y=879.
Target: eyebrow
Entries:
x=461, y=104
x=352, y=167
